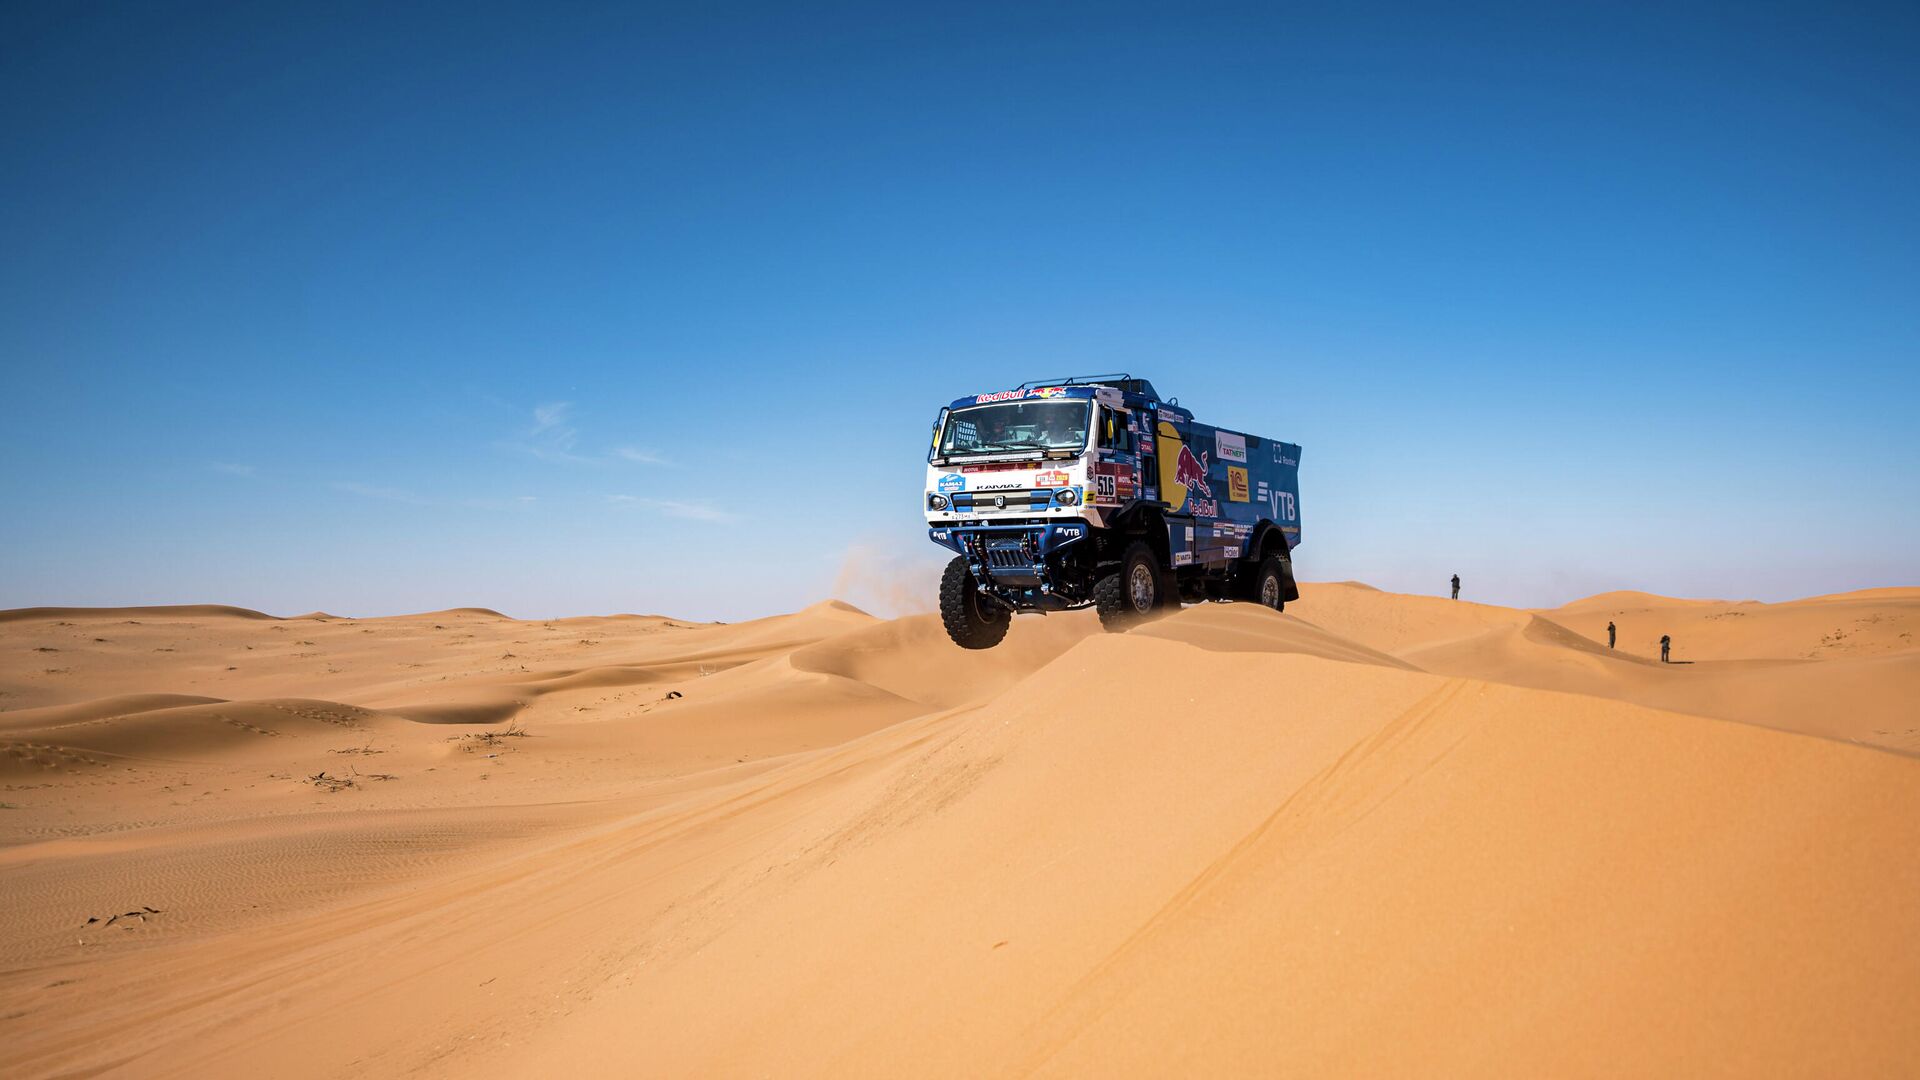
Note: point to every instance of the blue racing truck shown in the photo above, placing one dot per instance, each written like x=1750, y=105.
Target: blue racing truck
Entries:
x=1093, y=491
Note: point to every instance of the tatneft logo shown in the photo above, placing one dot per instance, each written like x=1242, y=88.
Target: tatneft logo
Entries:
x=1228, y=446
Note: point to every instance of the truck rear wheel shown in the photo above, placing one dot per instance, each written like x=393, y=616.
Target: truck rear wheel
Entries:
x=972, y=620
x=1270, y=584
x=1130, y=595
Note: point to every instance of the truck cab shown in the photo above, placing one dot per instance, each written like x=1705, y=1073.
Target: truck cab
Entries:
x=1094, y=491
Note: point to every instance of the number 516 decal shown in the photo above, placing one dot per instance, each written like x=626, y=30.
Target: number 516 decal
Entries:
x=1103, y=486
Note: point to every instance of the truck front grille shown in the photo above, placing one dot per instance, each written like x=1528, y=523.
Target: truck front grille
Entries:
x=1016, y=500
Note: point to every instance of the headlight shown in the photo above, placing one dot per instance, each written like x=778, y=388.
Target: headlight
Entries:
x=1068, y=496
x=936, y=502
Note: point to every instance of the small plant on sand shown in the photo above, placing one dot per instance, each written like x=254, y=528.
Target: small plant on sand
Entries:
x=330, y=784
x=474, y=740
x=367, y=749
x=125, y=919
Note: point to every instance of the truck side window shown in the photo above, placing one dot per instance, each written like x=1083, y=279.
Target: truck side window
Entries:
x=1113, y=430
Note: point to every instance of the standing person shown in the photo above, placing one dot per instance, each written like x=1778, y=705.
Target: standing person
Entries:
x=1456, y=586
x=1610, y=633
x=1666, y=643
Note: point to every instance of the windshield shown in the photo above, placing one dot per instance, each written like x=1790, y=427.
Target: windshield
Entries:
x=1016, y=425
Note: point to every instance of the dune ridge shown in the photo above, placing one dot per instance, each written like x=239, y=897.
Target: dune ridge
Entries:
x=1378, y=833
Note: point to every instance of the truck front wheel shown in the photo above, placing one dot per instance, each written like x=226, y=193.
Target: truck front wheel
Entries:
x=1131, y=594
x=972, y=620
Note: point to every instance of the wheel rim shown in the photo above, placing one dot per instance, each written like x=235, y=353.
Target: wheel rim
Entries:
x=1270, y=590
x=1140, y=585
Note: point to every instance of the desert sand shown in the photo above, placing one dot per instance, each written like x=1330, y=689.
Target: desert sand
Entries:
x=1377, y=834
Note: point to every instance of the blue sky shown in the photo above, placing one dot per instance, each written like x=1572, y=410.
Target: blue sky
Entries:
x=648, y=309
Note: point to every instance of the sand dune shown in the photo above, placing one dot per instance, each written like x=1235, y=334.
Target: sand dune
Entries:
x=172, y=611
x=1379, y=833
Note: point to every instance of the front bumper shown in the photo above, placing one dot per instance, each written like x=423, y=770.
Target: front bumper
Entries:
x=1015, y=562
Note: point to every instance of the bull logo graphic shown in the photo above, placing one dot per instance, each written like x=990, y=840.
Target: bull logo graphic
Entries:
x=1191, y=471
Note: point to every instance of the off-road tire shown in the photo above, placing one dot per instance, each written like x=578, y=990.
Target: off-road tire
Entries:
x=1270, y=583
x=1127, y=596
x=972, y=621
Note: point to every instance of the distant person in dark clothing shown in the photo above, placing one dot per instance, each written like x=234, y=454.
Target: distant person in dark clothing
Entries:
x=1456, y=586
x=1610, y=634
x=1666, y=643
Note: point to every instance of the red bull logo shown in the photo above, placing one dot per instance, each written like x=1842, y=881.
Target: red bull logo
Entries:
x=1016, y=395
x=1191, y=471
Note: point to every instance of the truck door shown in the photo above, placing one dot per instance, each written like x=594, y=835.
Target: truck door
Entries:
x=1115, y=475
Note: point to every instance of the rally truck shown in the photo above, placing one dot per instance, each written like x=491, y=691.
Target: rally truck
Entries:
x=1096, y=492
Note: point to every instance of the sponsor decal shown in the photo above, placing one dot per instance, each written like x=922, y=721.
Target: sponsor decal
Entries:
x=1104, y=487
x=1230, y=447
x=1183, y=558
x=1203, y=508
x=1016, y=395
x=951, y=483
x=1183, y=474
x=1280, y=456
x=1237, y=484
x=1281, y=502
x=1050, y=480
x=1190, y=470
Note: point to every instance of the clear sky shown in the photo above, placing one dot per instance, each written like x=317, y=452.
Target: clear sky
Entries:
x=568, y=309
